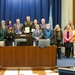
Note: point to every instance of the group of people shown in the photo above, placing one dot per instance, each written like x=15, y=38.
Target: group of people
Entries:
x=41, y=31
x=57, y=37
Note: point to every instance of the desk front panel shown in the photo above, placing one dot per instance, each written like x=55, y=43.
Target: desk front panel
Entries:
x=28, y=56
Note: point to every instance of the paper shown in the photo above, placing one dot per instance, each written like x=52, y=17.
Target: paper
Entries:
x=48, y=71
x=27, y=30
x=32, y=30
x=53, y=74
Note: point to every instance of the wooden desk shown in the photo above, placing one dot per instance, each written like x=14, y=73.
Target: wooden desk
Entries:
x=28, y=56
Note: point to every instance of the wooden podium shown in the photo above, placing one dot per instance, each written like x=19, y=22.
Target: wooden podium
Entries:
x=27, y=37
x=28, y=56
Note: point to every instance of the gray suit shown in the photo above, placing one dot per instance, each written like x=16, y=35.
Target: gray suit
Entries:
x=43, y=26
x=16, y=28
x=38, y=34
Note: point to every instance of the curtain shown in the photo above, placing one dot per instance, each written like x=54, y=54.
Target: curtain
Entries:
x=36, y=9
x=56, y=12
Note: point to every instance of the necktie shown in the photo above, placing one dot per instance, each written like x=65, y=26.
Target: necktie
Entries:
x=37, y=33
x=18, y=26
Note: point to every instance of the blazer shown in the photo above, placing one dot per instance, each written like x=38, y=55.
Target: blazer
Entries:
x=42, y=26
x=5, y=29
x=70, y=36
x=16, y=28
x=1, y=34
x=39, y=35
x=51, y=36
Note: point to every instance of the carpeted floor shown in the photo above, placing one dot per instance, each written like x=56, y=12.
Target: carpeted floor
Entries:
x=66, y=61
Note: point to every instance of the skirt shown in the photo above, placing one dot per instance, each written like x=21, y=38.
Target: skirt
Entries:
x=68, y=44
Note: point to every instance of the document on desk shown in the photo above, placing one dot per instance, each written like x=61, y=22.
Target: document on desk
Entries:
x=27, y=29
x=32, y=30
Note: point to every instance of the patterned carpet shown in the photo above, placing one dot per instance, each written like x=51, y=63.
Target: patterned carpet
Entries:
x=27, y=72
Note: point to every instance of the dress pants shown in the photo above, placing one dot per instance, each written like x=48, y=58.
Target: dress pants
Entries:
x=59, y=53
x=59, y=49
x=68, y=51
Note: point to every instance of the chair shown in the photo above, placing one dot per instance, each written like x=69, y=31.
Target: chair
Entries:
x=43, y=42
x=19, y=40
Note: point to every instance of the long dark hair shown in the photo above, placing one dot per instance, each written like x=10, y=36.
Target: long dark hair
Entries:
x=8, y=22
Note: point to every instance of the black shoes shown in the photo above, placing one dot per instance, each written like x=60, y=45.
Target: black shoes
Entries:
x=59, y=57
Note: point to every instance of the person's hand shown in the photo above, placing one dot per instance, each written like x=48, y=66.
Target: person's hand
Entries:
x=24, y=32
x=48, y=39
x=61, y=43
x=37, y=38
x=10, y=36
x=67, y=39
x=20, y=32
x=59, y=47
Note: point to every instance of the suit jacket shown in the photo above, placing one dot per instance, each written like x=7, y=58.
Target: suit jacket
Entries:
x=42, y=26
x=39, y=35
x=70, y=36
x=1, y=34
x=16, y=28
x=5, y=28
x=51, y=36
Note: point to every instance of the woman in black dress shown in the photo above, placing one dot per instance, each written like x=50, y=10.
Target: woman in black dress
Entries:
x=58, y=39
x=10, y=34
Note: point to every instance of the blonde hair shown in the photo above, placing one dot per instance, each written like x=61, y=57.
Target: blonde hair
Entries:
x=67, y=27
x=72, y=27
x=55, y=29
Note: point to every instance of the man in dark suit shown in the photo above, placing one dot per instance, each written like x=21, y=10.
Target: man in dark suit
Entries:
x=37, y=34
x=48, y=34
x=18, y=27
